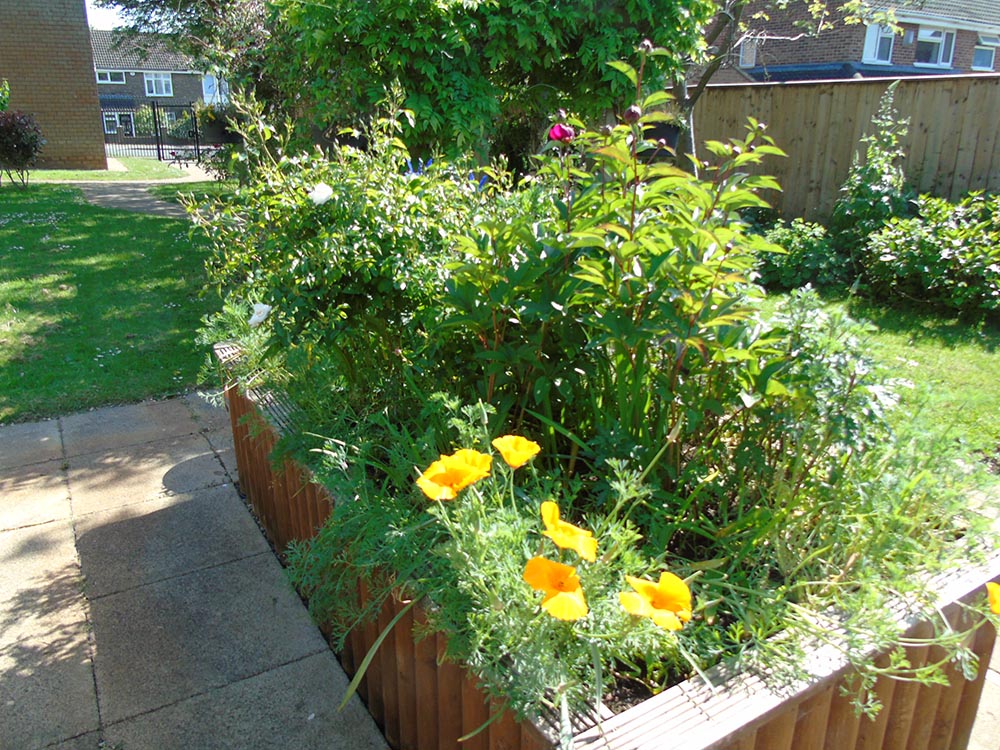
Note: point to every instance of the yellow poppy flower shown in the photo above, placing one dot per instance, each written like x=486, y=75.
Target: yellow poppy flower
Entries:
x=563, y=596
x=449, y=475
x=516, y=450
x=566, y=535
x=667, y=603
x=993, y=592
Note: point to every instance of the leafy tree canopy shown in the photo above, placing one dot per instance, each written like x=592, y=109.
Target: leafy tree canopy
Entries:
x=463, y=66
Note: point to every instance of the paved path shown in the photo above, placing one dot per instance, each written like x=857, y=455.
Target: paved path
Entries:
x=140, y=607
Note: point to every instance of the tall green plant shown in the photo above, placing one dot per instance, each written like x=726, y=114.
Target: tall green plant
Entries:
x=4, y=95
x=875, y=190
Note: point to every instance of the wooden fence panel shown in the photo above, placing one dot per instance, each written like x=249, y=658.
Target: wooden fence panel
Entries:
x=952, y=145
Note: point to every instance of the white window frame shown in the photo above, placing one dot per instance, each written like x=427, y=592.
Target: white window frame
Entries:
x=927, y=34
x=114, y=120
x=110, y=120
x=217, y=94
x=748, y=53
x=110, y=76
x=987, y=43
x=159, y=84
x=874, y=36
x=984, y=48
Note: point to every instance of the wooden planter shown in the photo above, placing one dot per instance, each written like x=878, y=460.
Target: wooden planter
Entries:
x=422, y=702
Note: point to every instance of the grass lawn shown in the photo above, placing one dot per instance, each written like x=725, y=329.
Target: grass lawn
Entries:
x=955, y=365
x=138, y=170
x=97, y=306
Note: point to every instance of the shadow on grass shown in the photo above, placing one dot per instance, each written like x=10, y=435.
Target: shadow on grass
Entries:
x=945, y=328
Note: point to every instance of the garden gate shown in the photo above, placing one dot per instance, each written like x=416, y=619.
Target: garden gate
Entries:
x=168, y=132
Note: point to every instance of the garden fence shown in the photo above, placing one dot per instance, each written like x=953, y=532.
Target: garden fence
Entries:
x=953, y=145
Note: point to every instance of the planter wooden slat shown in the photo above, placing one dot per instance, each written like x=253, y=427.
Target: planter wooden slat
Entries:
x=390, y=687
x=449, y=691
x=972, y=690
x=814, y=715
x=406, y=683
x=475, y=713
x=905, y=698
x=778, y=733
x=504, y=733
x=843, y=723
x=402, y=635
x=425, y=684
x=370, y=633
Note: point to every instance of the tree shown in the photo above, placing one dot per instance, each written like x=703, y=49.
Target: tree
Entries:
x=736, y=22
x=469, y=68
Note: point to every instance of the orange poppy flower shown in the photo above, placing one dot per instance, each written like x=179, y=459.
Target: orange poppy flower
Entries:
x=667, y=603
x=564, y=598
x=993, y=592
x=516, y=450
x=566, y=535
x=449, y=475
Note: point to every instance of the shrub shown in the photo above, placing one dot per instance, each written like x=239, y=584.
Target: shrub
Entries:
x=947, y=255
x=808, y=257
x=20, y=143
x=875, y=190
x=605, y=309
x=4, y=95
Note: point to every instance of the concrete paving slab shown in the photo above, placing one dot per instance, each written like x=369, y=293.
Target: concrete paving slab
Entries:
x=986, y=730
x=137, y=473
x=30, y=495
x=23, y=444
x=228, y=459
x=209, y=417
x=89, y=741
x=46, y=691
x=292, y=706
x=41, y=589
x=120, y=426
x=174, y=639
x=142, y=543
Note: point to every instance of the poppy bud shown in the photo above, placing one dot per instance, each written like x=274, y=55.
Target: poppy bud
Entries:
x=562, y=133
x=632, y=114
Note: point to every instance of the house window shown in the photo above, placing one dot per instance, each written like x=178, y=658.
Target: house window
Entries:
x=159, y=84
x=119, y=123
x=214, y=90
x=878, y=45
x=984, y=53
x=111, y=76
x=935, y=47
x=748, y=53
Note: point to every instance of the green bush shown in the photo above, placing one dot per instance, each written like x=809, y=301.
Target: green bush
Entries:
x=4, y=95
x=947, y=255
x=20, y=143
x=604, y=308
x=808, y=257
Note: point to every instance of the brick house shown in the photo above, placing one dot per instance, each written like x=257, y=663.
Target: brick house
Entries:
x=133, y=74
x=934, y=37
x=46, y=57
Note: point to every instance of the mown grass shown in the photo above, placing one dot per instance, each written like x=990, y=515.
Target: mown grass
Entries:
x=97, y=306
x=953, y=363
x=138, y=169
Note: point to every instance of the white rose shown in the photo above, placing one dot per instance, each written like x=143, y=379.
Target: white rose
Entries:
x=321, y=194
x=260, y=313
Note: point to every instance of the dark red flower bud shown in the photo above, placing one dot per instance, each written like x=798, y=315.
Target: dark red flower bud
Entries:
x=632, y=114
x=645, y=46
x=560, y=132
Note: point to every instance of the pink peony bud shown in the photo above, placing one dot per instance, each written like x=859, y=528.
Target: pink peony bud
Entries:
x=560, y=132
x=632, y=114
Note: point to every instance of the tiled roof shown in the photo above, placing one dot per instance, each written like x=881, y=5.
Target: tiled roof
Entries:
x=986, y=12
x=115, y=51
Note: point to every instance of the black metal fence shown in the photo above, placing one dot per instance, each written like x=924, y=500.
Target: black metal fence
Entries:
x=168, y=132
